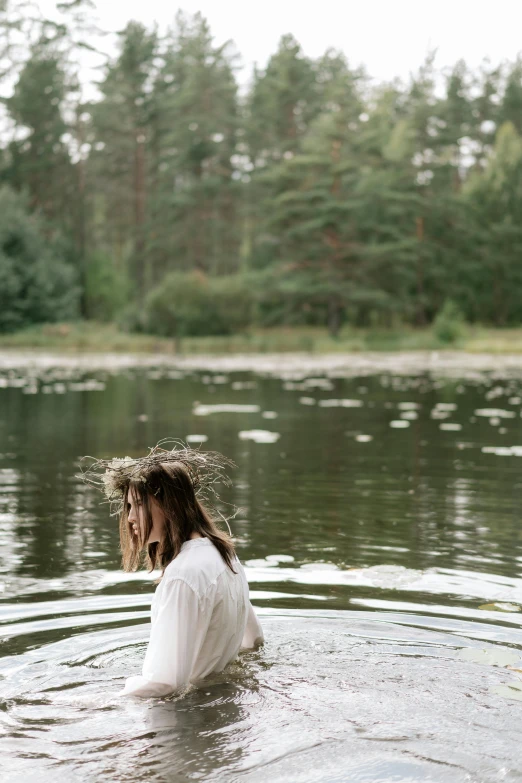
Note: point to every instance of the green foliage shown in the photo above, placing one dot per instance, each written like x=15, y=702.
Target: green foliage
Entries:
x=495, y=198
x=36, y=284
x=316, y=198
x=281, y=103
x=448, y=326
x=37, y=160
x=195, y=305
x=106, y=288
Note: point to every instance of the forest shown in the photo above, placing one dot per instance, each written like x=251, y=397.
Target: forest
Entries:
x=179, y=201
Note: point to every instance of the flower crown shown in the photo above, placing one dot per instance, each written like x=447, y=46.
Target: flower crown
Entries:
x=206, y=469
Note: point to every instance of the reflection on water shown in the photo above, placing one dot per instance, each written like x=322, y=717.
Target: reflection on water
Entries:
x=379, y=526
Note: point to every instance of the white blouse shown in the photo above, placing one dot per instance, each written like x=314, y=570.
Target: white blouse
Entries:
x=201, y=616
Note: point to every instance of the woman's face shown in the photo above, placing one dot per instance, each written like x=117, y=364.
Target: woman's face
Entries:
x=136, y=517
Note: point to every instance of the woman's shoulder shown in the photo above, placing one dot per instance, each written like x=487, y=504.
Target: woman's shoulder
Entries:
x=198, y=563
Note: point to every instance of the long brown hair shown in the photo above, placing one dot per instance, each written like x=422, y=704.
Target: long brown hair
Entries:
x=170, y=485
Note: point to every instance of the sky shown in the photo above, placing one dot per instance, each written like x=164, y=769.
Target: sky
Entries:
x=390, y=37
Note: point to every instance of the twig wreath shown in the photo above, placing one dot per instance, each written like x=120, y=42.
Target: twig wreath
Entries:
x=206, y=469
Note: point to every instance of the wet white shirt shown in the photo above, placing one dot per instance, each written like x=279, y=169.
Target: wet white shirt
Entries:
x=201, y=616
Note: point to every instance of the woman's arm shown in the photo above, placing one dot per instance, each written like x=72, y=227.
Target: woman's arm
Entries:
x=175, y=641
x=253, y=632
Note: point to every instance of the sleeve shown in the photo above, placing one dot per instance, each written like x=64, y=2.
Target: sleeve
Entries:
x=175, y=640
x=253, y=632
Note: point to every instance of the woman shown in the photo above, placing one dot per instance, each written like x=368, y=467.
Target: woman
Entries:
x=201, y=613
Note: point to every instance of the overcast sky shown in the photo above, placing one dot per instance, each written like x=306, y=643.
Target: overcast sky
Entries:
x=390, y=37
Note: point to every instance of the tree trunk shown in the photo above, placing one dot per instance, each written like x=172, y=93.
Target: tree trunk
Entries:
x=421, y=314
x=81, y=216
x=139, y=213
x=334, y=316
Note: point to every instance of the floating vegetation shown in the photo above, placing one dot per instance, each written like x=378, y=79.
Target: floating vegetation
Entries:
x=214, y=380
x=439, y=413
x=341, y=403
x=497, y=413
x=260, y=436
x=503, y=451
x=206, y=410
x=90, y=385
x=318, y=383
x=279, y=558
x=196, y=438
x=497, y=391
x=443, y=410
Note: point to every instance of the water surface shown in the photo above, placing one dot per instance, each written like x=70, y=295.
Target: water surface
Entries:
x=379, y=526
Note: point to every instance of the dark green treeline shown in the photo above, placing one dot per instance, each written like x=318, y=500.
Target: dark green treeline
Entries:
x=179, y=204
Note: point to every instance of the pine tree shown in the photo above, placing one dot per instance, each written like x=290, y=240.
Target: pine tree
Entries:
x=510, y=109
x=194, y=218
x=119, y=167
x=317, y=213
x=281, y=104
x=39, y=158
x=495, y=197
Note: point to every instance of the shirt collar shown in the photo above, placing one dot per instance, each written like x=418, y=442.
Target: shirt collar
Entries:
x=195, y=542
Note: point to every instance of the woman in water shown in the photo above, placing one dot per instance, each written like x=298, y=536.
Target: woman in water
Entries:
x=201, y=614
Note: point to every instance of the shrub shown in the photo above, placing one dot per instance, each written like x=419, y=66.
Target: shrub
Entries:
x=36, y=284
x=192, y=304
x=106, y=288
x=448, y=325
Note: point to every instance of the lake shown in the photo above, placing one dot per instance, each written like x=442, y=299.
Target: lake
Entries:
x=378, y=520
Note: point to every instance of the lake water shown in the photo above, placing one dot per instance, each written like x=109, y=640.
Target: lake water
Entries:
x=379, y=525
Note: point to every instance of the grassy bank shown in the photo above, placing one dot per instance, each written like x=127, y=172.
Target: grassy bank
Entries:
x=90, y=336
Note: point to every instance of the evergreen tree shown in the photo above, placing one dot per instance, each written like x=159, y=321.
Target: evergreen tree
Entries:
x=119, y=167
x=281, y=104
x=495, y=197
x=37, y=285
x=39, y=159
x=194, y=215
x=486, y=110
x=510, y=109
x=340, y=199
x=315, y=213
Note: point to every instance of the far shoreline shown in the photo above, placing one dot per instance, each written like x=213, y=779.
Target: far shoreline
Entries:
x=95, y=338
x=290, y=367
